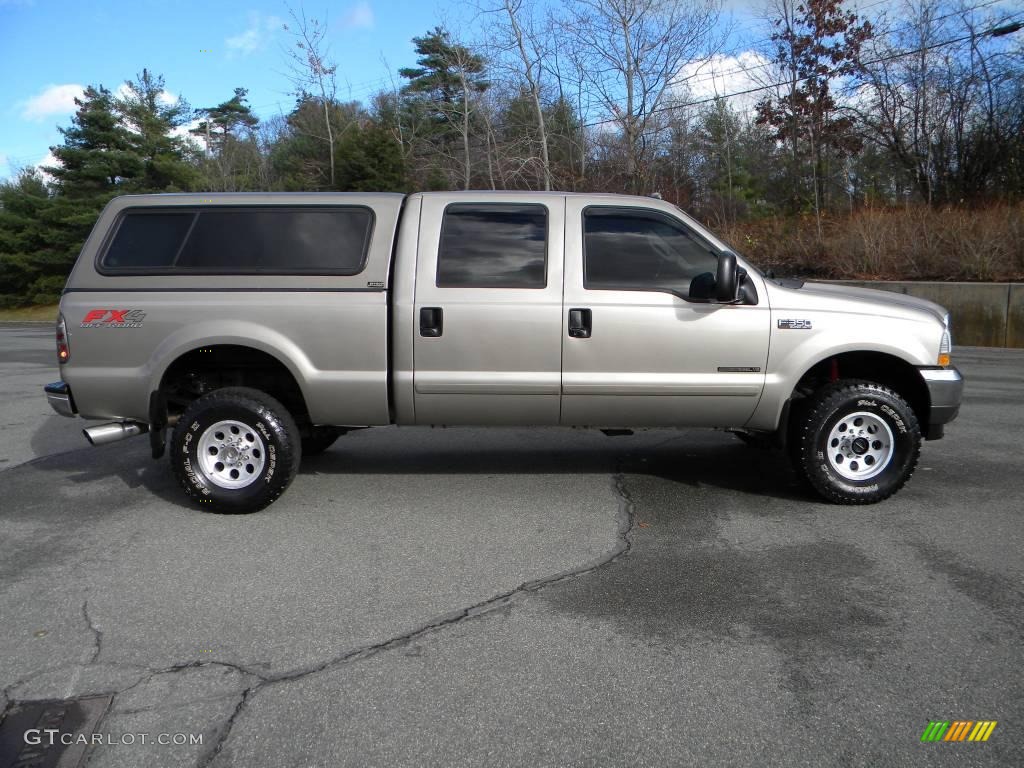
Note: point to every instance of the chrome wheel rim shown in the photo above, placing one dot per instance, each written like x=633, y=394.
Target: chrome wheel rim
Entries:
x=860, y=446
x=231, y=454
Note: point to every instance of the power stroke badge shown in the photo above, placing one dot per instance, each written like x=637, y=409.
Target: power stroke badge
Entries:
x=113, y=318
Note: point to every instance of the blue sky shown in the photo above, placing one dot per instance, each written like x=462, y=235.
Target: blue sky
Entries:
x=50, y=48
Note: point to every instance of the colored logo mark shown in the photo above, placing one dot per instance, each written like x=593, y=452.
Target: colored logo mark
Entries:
x=959, y=730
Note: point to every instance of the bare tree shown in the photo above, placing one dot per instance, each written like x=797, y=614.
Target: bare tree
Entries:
x=950, y=113
x=311, y=70
x=634, y=50
x=518, y=36
x=816, y=42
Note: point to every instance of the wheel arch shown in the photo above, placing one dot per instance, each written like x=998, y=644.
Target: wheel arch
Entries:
x=883, y=368
x=204, y=367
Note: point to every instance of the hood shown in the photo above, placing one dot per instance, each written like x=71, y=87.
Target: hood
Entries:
x=880, y=299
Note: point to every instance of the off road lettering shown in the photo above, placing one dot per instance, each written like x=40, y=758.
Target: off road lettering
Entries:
x=895, y=417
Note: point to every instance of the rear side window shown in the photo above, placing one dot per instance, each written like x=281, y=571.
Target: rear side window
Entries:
x=231, y=241
x=637, y=249
x=493, y=246
x=147, y=240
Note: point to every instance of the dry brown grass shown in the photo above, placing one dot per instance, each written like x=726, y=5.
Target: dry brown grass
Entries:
x=26, y=314
x=916, y=243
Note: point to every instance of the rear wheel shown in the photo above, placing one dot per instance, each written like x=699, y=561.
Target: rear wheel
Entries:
x=856, y=442
x=235, y=450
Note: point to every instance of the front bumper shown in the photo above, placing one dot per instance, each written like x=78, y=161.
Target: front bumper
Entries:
x=58, y=395
x=945, y=389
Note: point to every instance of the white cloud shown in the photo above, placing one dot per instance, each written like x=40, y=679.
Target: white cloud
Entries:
x=722, y=75
x=48, y=160
x=359, y=16
x=54, y=100
x=255, y=37
x=164, y=97
x=182, y=131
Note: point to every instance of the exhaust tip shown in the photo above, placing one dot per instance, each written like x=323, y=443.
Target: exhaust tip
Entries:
x=114, y=431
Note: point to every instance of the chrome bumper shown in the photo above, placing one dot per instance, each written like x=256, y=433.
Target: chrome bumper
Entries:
x=58, y=395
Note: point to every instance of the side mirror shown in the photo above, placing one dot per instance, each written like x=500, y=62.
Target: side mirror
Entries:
x=726, y=281
x=702, y=287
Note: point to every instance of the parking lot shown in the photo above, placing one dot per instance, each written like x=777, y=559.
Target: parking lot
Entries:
x=517, y=597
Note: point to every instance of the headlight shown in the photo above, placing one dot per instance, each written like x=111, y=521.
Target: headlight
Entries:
x=945, y=348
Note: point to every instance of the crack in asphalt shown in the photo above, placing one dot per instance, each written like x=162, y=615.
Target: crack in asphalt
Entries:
x=96, y=632
x=625, y=518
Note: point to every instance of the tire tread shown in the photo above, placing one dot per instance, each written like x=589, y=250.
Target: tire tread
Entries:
x=268, y=408
x=822, y=404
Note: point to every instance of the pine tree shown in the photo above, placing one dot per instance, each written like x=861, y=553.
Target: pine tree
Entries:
x=370, y=160
x=151, y=118
x=444, y=87
x=22, y=236
x=232, y=161
x=229, y=119
x=98, y=153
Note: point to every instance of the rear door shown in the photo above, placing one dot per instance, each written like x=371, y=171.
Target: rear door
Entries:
x=488, y=307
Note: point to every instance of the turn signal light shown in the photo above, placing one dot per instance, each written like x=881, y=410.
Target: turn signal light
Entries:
x=63, y=349
x=945, y=348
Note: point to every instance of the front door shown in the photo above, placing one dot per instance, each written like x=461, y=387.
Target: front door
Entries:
x=636, y=351
x=488, y=311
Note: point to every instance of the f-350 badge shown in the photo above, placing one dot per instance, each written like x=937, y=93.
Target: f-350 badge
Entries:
x=795, y=325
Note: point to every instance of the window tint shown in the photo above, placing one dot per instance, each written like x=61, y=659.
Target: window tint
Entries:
x=641, y=250
x=281, y=240
x=244, y=241
x=493, y=246
x=148, y=240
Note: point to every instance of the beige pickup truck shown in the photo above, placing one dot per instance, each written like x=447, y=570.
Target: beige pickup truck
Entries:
x=251, y=329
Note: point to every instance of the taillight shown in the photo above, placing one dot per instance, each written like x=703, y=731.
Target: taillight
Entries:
x=63, y=350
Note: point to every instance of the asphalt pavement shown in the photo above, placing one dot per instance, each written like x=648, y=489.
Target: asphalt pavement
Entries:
x=467, y=597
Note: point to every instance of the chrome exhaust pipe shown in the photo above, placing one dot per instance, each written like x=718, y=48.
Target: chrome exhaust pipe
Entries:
x=116, y=430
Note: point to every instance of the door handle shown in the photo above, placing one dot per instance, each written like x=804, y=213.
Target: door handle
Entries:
x=580, y=323
x=431, y=322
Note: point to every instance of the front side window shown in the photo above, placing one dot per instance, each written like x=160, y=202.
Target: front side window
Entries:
x=233, y=241
x=493, y=246
x=636, y=249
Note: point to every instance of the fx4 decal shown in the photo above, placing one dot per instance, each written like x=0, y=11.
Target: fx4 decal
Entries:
x=113, y=318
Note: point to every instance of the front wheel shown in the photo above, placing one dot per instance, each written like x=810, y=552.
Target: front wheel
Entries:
x=235, y=450
x=856, y=442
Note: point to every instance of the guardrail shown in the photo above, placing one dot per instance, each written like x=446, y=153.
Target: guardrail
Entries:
x=983, y=314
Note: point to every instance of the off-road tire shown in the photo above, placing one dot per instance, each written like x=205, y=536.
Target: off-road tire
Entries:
x=320, y=439
x=818, y=462
x=270, y=427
